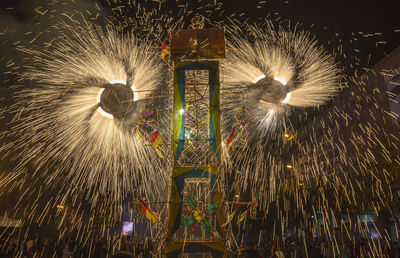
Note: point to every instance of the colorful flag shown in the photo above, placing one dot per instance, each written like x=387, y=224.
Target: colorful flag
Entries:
x=230, y=138
x=155, y=139
x=230, y=217
x=149, y=213
x=164, y=50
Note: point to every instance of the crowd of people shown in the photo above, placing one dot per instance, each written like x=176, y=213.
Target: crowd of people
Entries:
x=39, y=246
x=320, y=249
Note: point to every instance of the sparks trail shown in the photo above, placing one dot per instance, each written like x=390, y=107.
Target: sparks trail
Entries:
x=67, y=133
x=277, y=71
x=271, y=76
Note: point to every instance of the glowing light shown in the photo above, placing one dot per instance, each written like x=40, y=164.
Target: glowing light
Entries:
x=135, y=95
x=287, y=98
x=73, y=139
x=80, y=129
x=288, y=136
x=282, y=81
x=118, y=81
x=104, y=113
x=99, y=95
x=262, y=76
x=99, y=109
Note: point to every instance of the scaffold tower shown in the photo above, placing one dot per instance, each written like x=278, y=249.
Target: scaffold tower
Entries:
x=195, y=212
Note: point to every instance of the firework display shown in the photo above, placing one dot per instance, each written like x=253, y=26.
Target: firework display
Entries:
x=97, y=127
x=203, y=129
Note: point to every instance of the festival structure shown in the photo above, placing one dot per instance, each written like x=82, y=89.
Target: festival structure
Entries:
x=107, y=132
x=195, y=212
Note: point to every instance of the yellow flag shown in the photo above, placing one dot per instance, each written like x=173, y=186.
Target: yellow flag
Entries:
x=243, y=215
x=230, y=218
x=149, y=213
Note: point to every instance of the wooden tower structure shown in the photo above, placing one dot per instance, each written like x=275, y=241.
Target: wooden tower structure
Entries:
x=195, y=212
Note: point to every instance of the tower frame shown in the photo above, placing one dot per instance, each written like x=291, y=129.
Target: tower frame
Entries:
x=196, y=143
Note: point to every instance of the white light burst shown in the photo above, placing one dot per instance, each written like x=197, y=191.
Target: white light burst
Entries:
x=308, y=74
x=89, y=150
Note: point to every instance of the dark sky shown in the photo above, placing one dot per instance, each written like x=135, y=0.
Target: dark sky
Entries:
x=338, y=21
x=332, y=22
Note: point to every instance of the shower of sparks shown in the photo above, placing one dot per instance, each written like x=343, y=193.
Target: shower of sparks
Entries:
x=63, y=137
x=343, y=161
x=331, y=166
x=268, y=72
x=305, y=70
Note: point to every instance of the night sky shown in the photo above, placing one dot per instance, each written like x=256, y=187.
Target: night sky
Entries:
x=327, y=20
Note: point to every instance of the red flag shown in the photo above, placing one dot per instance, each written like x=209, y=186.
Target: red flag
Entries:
x=230, y=138
x=149, y=213
x=163, y=45
x=155, y=139
x=164, y=50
